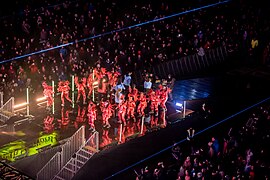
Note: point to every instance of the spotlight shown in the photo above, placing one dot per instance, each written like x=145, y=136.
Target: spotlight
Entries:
x=41, y=99
x=20, y=105
x=179, y=104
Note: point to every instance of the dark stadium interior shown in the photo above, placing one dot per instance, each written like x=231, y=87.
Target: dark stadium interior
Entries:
x=208, y=61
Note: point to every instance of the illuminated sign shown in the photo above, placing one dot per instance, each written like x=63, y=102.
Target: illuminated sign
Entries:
x=44, y=141
x=18, y=149
x=13, y=150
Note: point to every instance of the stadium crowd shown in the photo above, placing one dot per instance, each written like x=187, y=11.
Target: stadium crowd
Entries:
x=73, y=24
x=242, y=153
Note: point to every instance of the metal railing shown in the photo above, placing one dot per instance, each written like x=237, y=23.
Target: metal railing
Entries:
x=186, y=65
x=51, y=168
x=80, y=158
x=57, y=162
x=7, y=110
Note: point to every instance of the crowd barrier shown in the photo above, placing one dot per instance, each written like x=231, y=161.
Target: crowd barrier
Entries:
x=58, y=161
x=187, y=65
x=80, y=158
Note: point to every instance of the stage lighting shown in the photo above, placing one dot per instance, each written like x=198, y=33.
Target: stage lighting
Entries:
x=41, y=99
x=179, y=104
x=20, y=105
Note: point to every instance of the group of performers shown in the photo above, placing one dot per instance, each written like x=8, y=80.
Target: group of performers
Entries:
x=123, y=102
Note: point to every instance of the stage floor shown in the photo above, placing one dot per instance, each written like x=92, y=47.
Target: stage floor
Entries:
x=21, y=135
x=17, y=140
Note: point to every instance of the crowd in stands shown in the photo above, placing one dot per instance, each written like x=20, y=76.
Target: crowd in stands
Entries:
x=242, y=153
x=125, y=50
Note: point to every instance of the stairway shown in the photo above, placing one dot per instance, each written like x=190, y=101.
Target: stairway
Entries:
x=75, y=163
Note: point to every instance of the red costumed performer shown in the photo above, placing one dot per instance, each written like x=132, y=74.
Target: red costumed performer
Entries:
x=81, y=89
x=106, y=109
x=48, y=93
x=92, y=116
x=142, y=104
x=155, y=101
x=164, y=97
x=63, y=87
x=131, y=105
x=122, y=108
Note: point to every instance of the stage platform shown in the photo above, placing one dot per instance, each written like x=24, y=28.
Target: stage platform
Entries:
x=225, y=95
x=22, y=134
x=137, y=143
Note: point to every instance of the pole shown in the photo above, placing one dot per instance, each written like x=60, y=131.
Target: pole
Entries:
x=27, y=101
x=2, y=99
x=83, y=135
x=184, y=109
x=164, y=117
x=120, y=135
x=72, y=89
x=142, y=125
x=93, y=90
x=97, y=140
x=53, y=97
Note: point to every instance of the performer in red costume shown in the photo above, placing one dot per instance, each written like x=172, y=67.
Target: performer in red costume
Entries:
x=122, y=108
x=159, y=90
x=131, y=105
x=92, y=116
x=155, y=101
x=81, y=89
x=133, y=92
x=115, y=76
x=63, y=87
x=102, y=88
x=110, y=79
x=164, y=94
x=106, y=109
x=142, y=104
x=48, y=93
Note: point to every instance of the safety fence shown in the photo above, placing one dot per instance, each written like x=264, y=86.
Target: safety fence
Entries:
x=79, y=158
x=7, y=110
x=57, y=162
x=187, y=65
